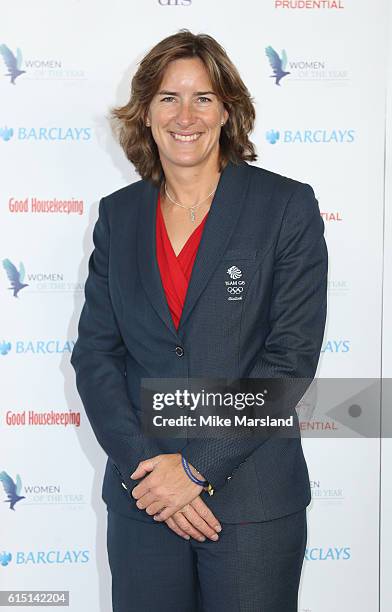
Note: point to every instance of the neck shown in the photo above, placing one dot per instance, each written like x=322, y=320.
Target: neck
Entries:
x=190, y=185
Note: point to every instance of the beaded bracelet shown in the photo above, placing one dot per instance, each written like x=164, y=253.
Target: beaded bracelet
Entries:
x=202, y=483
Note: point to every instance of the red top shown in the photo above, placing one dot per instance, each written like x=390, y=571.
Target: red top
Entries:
x=175, y=270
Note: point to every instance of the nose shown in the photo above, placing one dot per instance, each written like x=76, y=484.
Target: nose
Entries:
x=185, y=114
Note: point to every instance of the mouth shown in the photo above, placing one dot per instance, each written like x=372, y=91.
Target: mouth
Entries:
x=185, y=137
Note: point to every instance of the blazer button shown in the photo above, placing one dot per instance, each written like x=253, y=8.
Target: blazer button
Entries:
x=179, y=351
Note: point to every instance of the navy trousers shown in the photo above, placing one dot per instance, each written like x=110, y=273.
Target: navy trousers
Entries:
x=253, y=567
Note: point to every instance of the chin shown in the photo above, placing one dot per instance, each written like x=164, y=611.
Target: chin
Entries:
x=184, y=161
x=188, y=160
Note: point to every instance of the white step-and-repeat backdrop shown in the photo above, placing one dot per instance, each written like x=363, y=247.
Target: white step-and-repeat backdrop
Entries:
x=325, y=123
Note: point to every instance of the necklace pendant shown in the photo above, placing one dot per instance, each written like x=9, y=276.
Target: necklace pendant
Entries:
x=193, y=216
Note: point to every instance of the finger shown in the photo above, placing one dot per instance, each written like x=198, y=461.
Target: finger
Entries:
x=141, y=471
x=165, y=513
x=140, y=490
x=143, y=468
x=174, y=527
x=203, y=510
x=196, y=521
x=186, y=526
x=156, y=507
x=143, y=487
x=145, y=500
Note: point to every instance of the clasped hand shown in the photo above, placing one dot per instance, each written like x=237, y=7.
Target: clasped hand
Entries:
x=168, y=494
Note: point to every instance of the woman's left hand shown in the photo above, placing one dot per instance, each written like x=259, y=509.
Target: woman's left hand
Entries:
x=166, y=489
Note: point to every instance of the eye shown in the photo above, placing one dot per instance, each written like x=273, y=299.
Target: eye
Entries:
x=167, y=98
x=204, y=99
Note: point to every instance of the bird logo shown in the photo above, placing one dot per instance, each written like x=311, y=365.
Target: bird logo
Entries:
x=16, y=277
x=11, y=489
x=5, y=347
x=278, y=64
x=272, y=136
x=6, y=133
x=12, y=62
x=5, y=558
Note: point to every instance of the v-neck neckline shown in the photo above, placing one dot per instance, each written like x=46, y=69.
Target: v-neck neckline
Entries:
x=166, y=232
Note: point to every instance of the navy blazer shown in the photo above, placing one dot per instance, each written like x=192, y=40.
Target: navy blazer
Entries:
x=270, y=227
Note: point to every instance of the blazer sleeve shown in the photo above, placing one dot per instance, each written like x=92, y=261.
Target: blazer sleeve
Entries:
x=297, y=321
x=98, y=359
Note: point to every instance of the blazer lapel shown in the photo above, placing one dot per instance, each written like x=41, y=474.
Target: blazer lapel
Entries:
x=147, y=256
x=218, y=229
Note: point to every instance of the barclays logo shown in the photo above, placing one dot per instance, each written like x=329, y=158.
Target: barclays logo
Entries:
x=46, y=134
x=336, y=346
x=310, y=136
x=328, y=554
x=49, y=557
x=6, y=133
x=38, y=347
x=272, y=136
x=5, y=558
x=5, y=347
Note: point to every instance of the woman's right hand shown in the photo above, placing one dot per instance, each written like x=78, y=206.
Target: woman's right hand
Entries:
x=195, y=520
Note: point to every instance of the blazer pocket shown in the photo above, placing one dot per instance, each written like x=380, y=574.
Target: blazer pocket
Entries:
x=239, y=254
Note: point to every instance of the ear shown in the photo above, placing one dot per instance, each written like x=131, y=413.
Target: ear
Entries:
x=225, y=115
x=147, y=119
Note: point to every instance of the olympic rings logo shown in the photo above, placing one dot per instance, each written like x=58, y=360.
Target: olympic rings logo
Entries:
x=235, y=290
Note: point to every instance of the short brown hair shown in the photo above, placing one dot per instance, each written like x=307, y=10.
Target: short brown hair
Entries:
x=129, y=120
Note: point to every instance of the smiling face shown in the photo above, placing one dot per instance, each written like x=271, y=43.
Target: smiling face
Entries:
x=185, y=115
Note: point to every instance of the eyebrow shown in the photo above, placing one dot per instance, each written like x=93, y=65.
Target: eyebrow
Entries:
x=175, y=93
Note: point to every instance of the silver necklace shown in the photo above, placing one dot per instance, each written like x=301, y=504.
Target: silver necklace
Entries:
x=190, y=208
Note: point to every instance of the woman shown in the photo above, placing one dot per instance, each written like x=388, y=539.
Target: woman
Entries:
x=160, y=304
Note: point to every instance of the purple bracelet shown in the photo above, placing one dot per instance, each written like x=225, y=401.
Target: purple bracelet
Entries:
x=185, y=464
